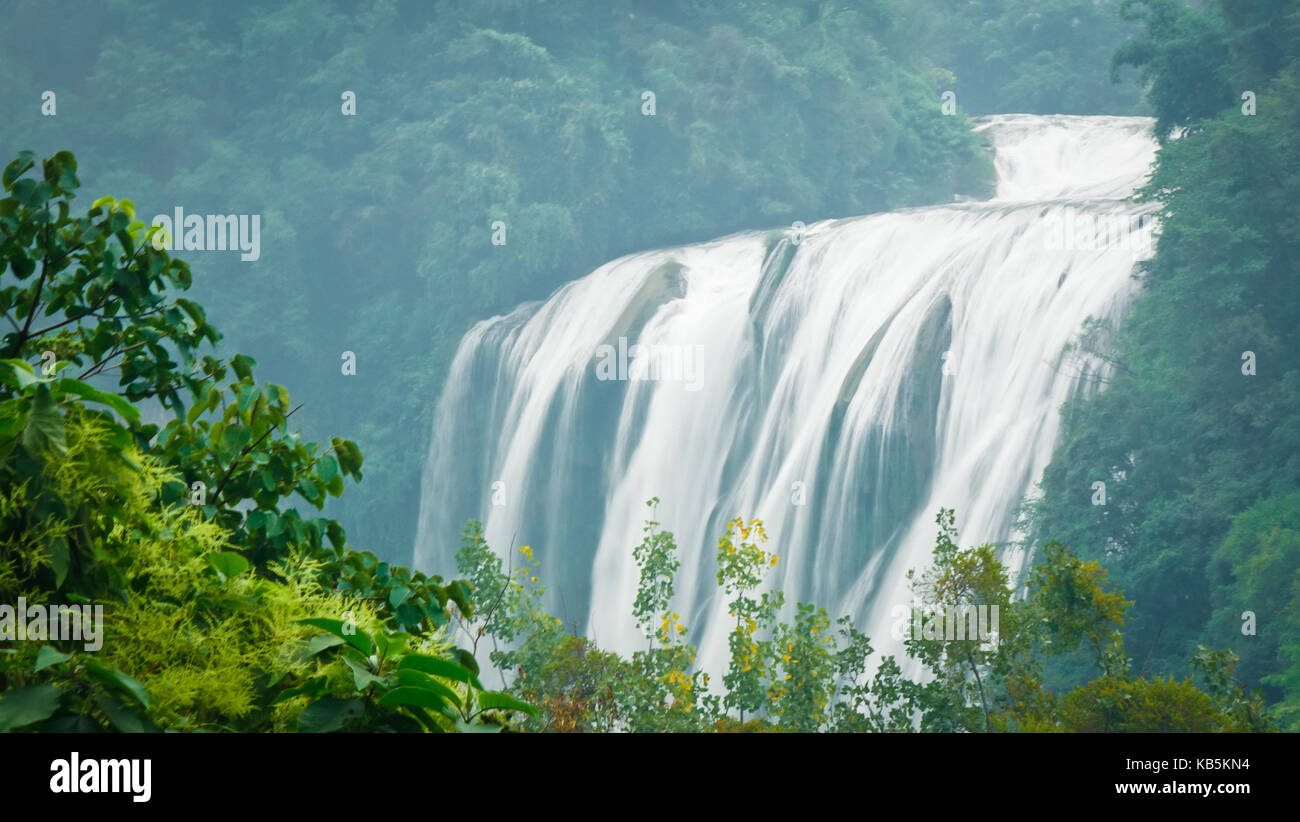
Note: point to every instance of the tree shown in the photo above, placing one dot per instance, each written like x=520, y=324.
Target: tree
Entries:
x=802, y=676
x=965, y=591
x=216, y=589
x=1198, y=434
x=742, y=564
x=1180, y=55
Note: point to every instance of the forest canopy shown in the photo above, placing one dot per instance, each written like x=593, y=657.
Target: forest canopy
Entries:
x=523, y=113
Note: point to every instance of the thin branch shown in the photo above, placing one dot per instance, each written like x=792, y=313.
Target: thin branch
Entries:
x=243, y=453
x=99, y=366
x=91, y=313
x=1152, y=651
x=176, y=385
x=40, y=286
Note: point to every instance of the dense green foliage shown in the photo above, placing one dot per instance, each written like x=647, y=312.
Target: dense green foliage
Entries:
x=1034, y=56
x=186, y=538
x=377, y=228
x=1197, y=437
x=809, y=674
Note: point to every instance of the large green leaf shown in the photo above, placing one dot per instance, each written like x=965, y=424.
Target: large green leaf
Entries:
x=309, y=488
x=467, y=659
x=328, y=714
x=361, y=677
x=459, y=592
x=228, y=564
x=44, y=424
x=419, y=697
x=123, y=718
x=196, y=410
x=60, y=559
x=436, y=666
x=349, y=456
x=322, y=642
x=26, y=159
x=17, y=374
x=398, y=595
x=234, y=438
x=419, y=679
x=242, y=366
x=247, y=396
x=476, y=727
x=338, y=538
x=494, y=700
x=86, y=392
x=49, y=655
x=115, y=679
x=23, y=706
x=327, y=468
x=354, y=636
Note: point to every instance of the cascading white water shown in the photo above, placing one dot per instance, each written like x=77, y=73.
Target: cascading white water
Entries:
x=842, y=389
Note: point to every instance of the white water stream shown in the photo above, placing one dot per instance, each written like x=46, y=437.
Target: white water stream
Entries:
x=893, y=365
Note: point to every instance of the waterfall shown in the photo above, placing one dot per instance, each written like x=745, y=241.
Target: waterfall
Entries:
x=842, y=383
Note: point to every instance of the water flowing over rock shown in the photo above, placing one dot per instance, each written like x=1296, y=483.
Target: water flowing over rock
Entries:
x=843, y=390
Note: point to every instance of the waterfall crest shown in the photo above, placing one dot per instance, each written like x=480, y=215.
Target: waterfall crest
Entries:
x=842, y=389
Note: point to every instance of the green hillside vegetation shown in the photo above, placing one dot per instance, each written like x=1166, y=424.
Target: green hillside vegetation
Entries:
x=1197, y=435
x=377, y=228
x=225, y=609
